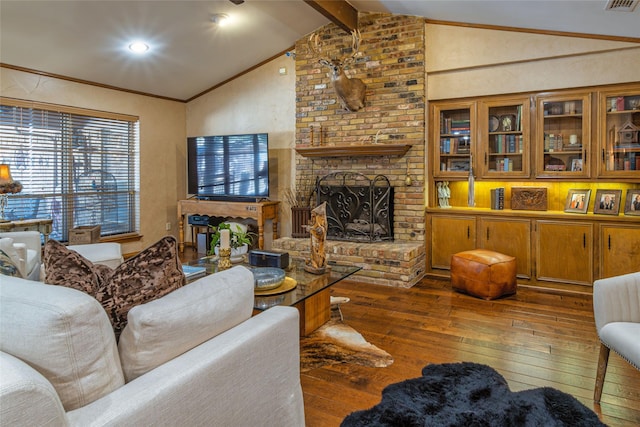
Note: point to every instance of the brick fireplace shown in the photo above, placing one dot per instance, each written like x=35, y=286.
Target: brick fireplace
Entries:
x=392, y=66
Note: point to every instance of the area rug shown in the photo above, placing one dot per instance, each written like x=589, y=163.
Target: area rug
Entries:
x=336, y=342
x=470, y=394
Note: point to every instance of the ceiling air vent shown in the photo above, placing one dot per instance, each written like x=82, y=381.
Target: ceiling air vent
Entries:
x=621, y=5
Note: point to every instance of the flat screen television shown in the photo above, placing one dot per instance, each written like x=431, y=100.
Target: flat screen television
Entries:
x=228, y=167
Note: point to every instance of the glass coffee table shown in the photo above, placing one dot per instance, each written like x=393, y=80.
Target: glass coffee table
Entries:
x=311, y=295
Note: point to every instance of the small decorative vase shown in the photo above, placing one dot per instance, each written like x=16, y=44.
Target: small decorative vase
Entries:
x=224, y=260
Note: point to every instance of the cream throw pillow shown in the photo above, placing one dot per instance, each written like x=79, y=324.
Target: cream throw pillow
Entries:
x=162, y=329
x=62, y=333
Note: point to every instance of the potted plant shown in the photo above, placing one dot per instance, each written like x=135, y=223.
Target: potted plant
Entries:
x=240, y=240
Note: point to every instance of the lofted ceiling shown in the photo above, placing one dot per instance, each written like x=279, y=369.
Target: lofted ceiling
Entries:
x=189, y=54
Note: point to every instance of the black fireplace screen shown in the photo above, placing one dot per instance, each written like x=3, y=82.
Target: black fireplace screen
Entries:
x=358, y=208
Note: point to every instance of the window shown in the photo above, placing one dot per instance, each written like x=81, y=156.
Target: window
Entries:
x=77, y=167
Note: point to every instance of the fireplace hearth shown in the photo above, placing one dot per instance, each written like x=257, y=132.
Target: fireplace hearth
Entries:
x=359, y=209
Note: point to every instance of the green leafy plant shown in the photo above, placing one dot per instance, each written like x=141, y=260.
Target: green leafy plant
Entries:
x=239, y=237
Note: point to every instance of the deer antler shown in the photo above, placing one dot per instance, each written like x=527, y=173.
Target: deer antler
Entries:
x=355, y=47
x=316, y=47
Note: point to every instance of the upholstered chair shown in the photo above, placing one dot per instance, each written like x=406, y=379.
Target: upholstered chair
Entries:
x=27, y=246
x=108, y=253
x=616, y=309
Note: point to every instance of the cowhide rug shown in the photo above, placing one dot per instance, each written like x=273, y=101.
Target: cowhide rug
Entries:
x=469, y=394
x=336, y=342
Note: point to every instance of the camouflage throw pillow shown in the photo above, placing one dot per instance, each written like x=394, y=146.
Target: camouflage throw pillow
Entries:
x=65, y=267
x=149, y=275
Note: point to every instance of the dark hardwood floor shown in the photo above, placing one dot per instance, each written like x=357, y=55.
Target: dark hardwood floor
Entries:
x=534, y=339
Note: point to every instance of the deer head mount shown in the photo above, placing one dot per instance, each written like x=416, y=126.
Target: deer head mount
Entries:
x=350, y=91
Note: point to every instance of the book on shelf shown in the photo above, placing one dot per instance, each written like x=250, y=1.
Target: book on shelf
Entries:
x=504, y=165
x=193, y=272
x=512, y=143
x=631, y=162
x=519, y=143
x=507, y=144
x=445, y=145
x=497, y=198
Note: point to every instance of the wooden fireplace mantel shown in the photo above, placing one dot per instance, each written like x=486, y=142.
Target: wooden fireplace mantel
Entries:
x=353, y=150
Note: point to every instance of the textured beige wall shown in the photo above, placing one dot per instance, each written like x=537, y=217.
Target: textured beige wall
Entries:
x=262, y=100
x=464, y=62
x=162, y=141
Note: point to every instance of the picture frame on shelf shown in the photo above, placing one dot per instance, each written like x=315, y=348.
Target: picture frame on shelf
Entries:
x=458, y=165
x=507, y=122
x=607, y=202
x=632, y=205
x=576, y=165
x=577, y=201
x=463, y=146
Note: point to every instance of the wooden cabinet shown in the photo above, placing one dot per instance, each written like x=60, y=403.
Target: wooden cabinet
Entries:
x=503, y=144
x=549, y=248
x=564, y=252
x=619, y=142
x=563, y=135
x=450, y=235
x=573, y=138
x=580, y=138
x=619, y=249
x=454, y=129
x=509, y=236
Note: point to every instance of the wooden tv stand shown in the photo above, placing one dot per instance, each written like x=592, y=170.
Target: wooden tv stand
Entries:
x=260, y=211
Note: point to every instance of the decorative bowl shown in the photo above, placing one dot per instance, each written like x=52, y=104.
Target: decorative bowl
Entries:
x=267, y=277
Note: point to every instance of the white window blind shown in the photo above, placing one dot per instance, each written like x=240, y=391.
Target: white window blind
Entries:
x=77, y=167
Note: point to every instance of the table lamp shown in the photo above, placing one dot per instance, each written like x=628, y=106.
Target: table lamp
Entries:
x=7, y=185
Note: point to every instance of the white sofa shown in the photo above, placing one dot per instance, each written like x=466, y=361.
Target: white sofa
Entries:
x=195, y=357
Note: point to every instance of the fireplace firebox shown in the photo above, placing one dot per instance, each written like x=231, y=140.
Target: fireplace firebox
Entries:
x=359, y=209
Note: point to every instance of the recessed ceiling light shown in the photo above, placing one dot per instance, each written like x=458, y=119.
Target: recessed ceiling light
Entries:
x=138, y=47
x=220, y=19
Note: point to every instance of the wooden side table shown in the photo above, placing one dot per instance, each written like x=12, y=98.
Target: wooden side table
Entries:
x=42, y=225
x=260, y=211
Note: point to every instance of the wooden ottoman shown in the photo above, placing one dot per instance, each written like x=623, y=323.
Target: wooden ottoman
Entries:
x=482, y=273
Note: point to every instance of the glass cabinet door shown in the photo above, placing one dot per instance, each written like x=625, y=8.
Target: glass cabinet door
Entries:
x=454, y=133
x=619, y=146
x=504, y=141
x=563, y=137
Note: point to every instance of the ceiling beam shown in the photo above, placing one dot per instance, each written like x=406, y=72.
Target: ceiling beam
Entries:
x=339, y=12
